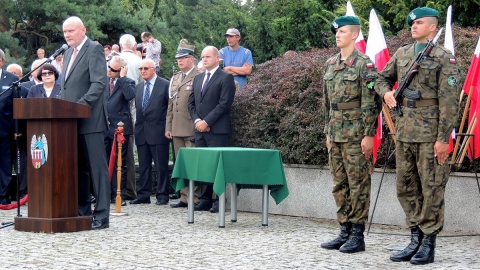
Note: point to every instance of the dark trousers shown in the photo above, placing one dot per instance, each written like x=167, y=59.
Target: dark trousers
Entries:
x=113, y=180
x=208, y=139
x=92, y=166
x=158, y=153
x=5, y=166
x=21, y=156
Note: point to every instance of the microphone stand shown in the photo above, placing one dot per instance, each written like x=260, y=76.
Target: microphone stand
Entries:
x=16, y=87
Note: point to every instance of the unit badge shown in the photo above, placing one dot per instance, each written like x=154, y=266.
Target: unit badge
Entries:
x=39, y=150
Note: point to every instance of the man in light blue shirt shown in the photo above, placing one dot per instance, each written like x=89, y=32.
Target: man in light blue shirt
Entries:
x=237, y=60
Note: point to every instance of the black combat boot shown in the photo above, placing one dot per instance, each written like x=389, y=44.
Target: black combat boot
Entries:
x=426, y=252
x=407, y=253
x=355, y=242
x=336, y=243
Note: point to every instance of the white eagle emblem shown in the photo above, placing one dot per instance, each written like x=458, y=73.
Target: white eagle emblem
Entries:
x=335, y=25
x=39, y=150
x=412, y=16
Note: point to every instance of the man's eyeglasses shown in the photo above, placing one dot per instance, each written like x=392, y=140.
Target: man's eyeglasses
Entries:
x=144, y=68
x=113, y=70
x=45, y=74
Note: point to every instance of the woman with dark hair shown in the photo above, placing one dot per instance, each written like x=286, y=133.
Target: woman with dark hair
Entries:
x=48, y=74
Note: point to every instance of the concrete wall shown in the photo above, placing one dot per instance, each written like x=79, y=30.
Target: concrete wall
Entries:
x=310, y=196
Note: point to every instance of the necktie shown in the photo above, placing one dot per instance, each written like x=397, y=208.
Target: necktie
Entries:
x=72, y=59
x=183, y=76
x=146, y=96
x=112, y=85
x=206, y=82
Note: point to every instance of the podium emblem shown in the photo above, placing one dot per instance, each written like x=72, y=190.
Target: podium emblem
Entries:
x=39, y=150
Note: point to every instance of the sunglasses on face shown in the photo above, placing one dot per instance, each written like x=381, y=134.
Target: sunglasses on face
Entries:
x=144, y=68
x=45, y=74
x=113, y=70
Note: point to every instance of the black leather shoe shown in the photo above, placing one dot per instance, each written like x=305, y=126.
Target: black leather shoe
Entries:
x=214, y=208
x=138, y=201
x=5, y=201
x=92, y=199
x=336, y=243
x=356, y=241
x=128, y=198
x=113, y=200
x=407, y=253
x=179, y=204
x=203, y=206
x=161, y=202
x=97, y=224
x=124, y=203
x=426, y=252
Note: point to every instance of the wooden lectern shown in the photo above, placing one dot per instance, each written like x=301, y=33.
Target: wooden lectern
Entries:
x=53, y=174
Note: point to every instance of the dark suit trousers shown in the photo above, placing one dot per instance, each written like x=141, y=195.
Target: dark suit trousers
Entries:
x=113, y=181
x=22, y=148
x=92, y=164
x=5, y=166
x=159, y=154
x=208, y=139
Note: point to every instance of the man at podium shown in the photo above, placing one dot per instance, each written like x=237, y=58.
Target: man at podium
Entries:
x=84, y=81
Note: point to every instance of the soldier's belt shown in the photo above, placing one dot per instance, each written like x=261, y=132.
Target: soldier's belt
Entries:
x=419, y=103
x=345, y=105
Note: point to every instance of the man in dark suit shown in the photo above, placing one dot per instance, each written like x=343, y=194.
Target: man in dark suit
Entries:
x=119, y=91
x=151, y=101
x=209, y=106
x=83, y=81
x=6, y=130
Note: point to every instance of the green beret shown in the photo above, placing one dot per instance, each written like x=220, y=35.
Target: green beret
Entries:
x=342, y=21
x=420, y=13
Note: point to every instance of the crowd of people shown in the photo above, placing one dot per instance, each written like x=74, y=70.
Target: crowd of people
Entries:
x=192, y=109
x=121, y=83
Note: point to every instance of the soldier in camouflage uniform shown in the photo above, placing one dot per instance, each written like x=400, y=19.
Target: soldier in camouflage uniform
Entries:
x=350, y=123
x=179, y=125
x=422, y=134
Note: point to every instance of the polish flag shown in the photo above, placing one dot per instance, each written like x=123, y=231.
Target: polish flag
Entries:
x=360, y=41
x=378, y=53
x=471, y=87
x=449, y=45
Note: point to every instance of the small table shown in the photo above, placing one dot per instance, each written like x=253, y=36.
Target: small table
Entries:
x=247, y=167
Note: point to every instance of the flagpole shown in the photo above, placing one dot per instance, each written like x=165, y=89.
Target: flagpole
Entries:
x=462, y=124
x=464, y=147
x=388, y=120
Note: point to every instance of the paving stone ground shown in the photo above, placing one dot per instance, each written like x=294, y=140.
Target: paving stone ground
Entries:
x=159, y=237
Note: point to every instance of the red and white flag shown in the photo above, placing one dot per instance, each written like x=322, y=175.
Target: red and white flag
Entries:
x=471, y=87
x=360, y=41
x=378, y=53
x=450, y=45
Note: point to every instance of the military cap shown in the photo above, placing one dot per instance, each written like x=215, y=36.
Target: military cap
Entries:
x=184, y=49
x=420, y=13
x=342, y=21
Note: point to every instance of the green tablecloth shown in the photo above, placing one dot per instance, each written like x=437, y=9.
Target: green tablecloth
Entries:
x=248, y=167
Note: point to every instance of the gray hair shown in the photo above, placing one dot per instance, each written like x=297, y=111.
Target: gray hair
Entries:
x=36, y=63
x=17, y=66
x=2, y=55
x=128, y=41
x=119, y=59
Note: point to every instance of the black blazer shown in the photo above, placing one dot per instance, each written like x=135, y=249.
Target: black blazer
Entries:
x=118, y=106
x=6, y=103
x=38, y=91
x=215, y=103
x=150, y=125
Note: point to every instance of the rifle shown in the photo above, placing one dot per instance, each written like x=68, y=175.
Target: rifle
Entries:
x=402, y=90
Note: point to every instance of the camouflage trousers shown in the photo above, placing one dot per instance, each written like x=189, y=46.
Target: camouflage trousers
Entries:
x=351, y=181
x=421, y=185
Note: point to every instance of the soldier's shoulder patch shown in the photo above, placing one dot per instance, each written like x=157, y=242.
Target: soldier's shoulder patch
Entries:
x=452, y=81
x=370, y=65
x=453, y=61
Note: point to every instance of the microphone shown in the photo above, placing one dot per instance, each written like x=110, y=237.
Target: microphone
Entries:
x=58, y=52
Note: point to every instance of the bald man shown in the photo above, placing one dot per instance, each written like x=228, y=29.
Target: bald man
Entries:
x=83, y=81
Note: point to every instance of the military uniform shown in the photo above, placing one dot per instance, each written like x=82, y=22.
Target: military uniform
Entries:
x=350, y=114
x=178, y=121
x=421, y=180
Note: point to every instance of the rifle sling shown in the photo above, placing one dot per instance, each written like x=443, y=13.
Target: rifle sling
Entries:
x=345, y=105
x=419, y=103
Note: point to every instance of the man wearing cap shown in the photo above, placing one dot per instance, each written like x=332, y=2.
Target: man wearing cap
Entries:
x=350, y=123
x=422, y=134
x=179, y=126
x=237, y=60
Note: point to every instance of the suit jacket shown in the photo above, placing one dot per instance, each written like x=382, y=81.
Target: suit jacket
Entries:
x=38, y=91
x=215, y=103
x=6, y=103
x=85, y=84
x=118, y=106
x=179, y=121
x=150, y=125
